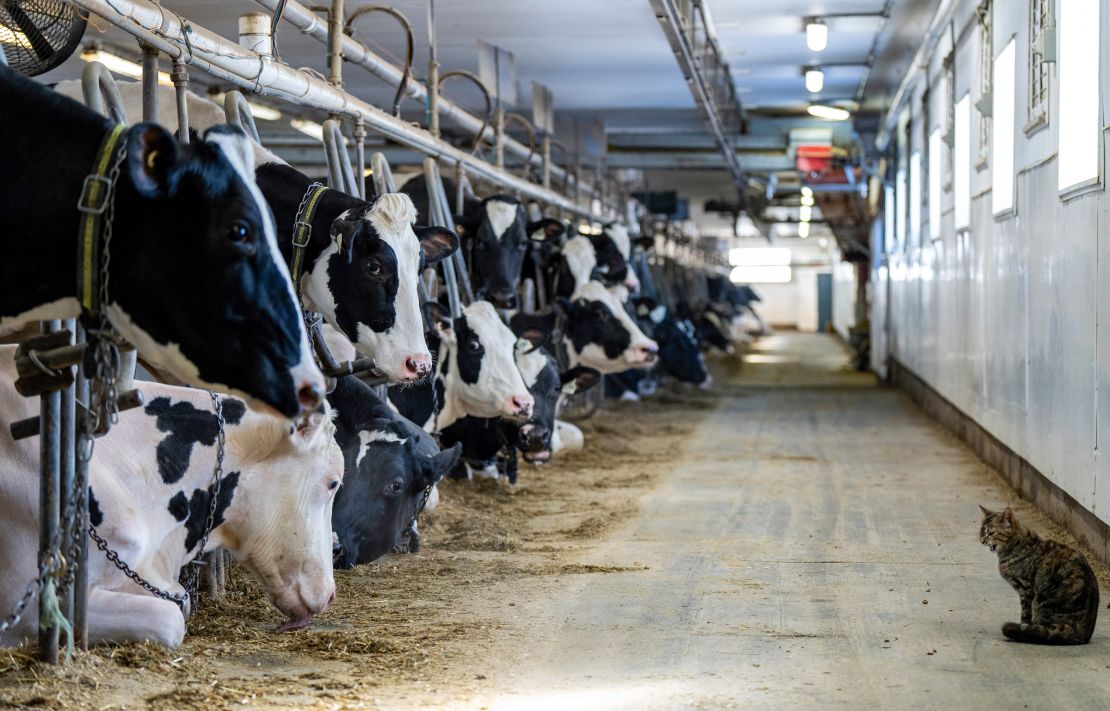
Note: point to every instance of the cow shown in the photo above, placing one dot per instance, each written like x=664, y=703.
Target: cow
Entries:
x=362, y=259
x=390, y=464
x=483, y=439
x=150, y=493
x=475, y=372
x=599, y=333
x=680, y=353
x=603, y=257
x=495, y=233
x=195, y=280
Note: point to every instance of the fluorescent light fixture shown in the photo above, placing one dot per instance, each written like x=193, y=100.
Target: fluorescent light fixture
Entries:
x=259, y=111
x=828, y=113
x=1002, y=130
x=807, y=192
x=807, y=200
x=817, y=35
x=760, y=275
x=121, y=66
x=805, y=213
x=803, y=229
x=759, y=257
x=815, y=80
x=1080, y=125
x=308, y=128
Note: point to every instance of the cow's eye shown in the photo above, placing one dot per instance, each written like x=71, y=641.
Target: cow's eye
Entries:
x=238, y=233
x=473, y=345
x=333, y=485
x=394, y=488
x=374, y=268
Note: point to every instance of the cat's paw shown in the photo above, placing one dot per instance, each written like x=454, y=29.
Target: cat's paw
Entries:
x=1012, y=630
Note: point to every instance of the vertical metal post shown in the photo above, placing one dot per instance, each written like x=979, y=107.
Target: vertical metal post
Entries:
x=546, y=161
x=180, y=78
x=433, y=72
x=49, y=501
x=150, y=83
x=68, y=448
x=360, y=156
x=335, y=42
x=499, y=135
x=81, y=483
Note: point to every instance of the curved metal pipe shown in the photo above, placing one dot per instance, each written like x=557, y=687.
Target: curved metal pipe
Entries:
x=101, y=94
x=531, y=131
x=239, y=114
x=349, y=30
x=464, y=74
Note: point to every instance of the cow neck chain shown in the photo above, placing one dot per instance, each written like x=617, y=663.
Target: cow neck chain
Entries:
x=188, y=575
x=302, y=232
x=409, y=531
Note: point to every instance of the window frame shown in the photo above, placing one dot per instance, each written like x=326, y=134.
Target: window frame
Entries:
x=986, y=81
x=1038, y=100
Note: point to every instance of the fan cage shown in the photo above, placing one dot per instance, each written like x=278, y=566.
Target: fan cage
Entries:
x=38, y=35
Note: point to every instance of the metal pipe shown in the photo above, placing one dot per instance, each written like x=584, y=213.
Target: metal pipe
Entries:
x=464, y=74
x=360, y=156
x=433, y=74
x=49, y=503
x=546, y=180
x=150, y=83
x=335, y=35
x=227, y=60
x=357, y=53
x=180, y=78
x=499, y=136
x=68, y=424
x=383, y=176
x=81, y=483
x=406, y=75
x=238, y=113
x=342, y=178
x=101, y=94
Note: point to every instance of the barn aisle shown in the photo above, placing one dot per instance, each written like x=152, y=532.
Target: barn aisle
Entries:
x=817, y=547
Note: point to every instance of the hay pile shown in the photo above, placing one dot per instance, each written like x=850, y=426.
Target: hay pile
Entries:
x=414, y=620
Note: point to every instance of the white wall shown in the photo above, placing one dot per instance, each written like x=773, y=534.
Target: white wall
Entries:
x=844, y=298
x=1002, y=319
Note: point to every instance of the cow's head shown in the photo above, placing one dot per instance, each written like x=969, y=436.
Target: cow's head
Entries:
x=279, y=522
x=496, y=233
x=365, y=283
x=207, y=296
x=477, y=364
x=679, y=349
x=614, y=250
x=600, y=334
x=389, y=473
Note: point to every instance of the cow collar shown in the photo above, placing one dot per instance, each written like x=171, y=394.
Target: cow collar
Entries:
x=97, y=207
x=302, y=231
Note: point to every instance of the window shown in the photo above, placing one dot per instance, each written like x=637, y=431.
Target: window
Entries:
x=1078, y=72
x=986, y=55
x=915, y=199
x=1040, y=27
x=961, y=163
x=760, y=265
x=1002, y=147
x=935, y=150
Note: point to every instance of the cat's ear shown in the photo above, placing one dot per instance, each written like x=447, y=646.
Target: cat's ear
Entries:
x=985, y=510
x=1007, y=517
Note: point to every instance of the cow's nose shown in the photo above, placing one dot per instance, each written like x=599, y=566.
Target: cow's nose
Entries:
x=503, y=299
x=418, y=365
x=649, y=351
x=310, y=396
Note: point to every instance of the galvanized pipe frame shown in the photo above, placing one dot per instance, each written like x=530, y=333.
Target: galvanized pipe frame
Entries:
x=304, y=19
x=191, y=44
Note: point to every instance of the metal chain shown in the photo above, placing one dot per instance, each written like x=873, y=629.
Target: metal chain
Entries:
x=406, y=533
x=188, y=577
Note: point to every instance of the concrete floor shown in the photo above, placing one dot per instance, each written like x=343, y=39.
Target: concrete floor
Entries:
x=818, y=548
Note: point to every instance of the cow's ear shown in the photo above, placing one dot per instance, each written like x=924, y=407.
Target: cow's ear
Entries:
x=440, y=464
x=343, y=233
x=579, y=379
x=644, y=305
x=645, y=243
x=436, y=242
x=547, y=229
x=536, y=337
x=460, y=228
x=521, y=322
x=152, y=156
x=437, y=315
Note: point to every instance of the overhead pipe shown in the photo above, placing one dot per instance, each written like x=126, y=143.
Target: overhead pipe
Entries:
x=355, y=52
x=228, y=61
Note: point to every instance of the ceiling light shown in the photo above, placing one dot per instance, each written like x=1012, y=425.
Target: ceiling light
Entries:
x=121, y=66
x=807, y=191
x=803, y=229
x=759, y=257
x=308, y=128
x=828, y=113
x=805, y=213
x=815, y=80
x=807, y=200
x=823, y=242
x=817, y=35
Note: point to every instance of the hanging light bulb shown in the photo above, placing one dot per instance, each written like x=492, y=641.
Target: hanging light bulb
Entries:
x=803, y=229
x=807, y=192
x=815, y=80
x=807, y=200
x=817, y=35
x=805, y=213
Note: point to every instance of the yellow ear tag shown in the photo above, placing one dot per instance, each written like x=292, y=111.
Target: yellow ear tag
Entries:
x=150, y=158
x=570, y=388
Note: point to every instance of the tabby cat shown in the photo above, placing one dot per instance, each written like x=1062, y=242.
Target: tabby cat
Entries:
x=1058, y=590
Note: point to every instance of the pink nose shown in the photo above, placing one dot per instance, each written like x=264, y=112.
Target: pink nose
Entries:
x=310, y=395
x=417, y=366
x=520, y=404
x=649, y=351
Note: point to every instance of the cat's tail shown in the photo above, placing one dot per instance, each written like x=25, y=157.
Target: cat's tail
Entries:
x=1056, y=633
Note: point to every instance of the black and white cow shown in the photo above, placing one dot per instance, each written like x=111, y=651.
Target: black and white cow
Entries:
x=476, y=373
x=604, y=258
x=680, y=353
x=196, y=281
x=149, y=497
x=495, y=233
x=482, y=439
x=599, y=333
x=362, y=261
